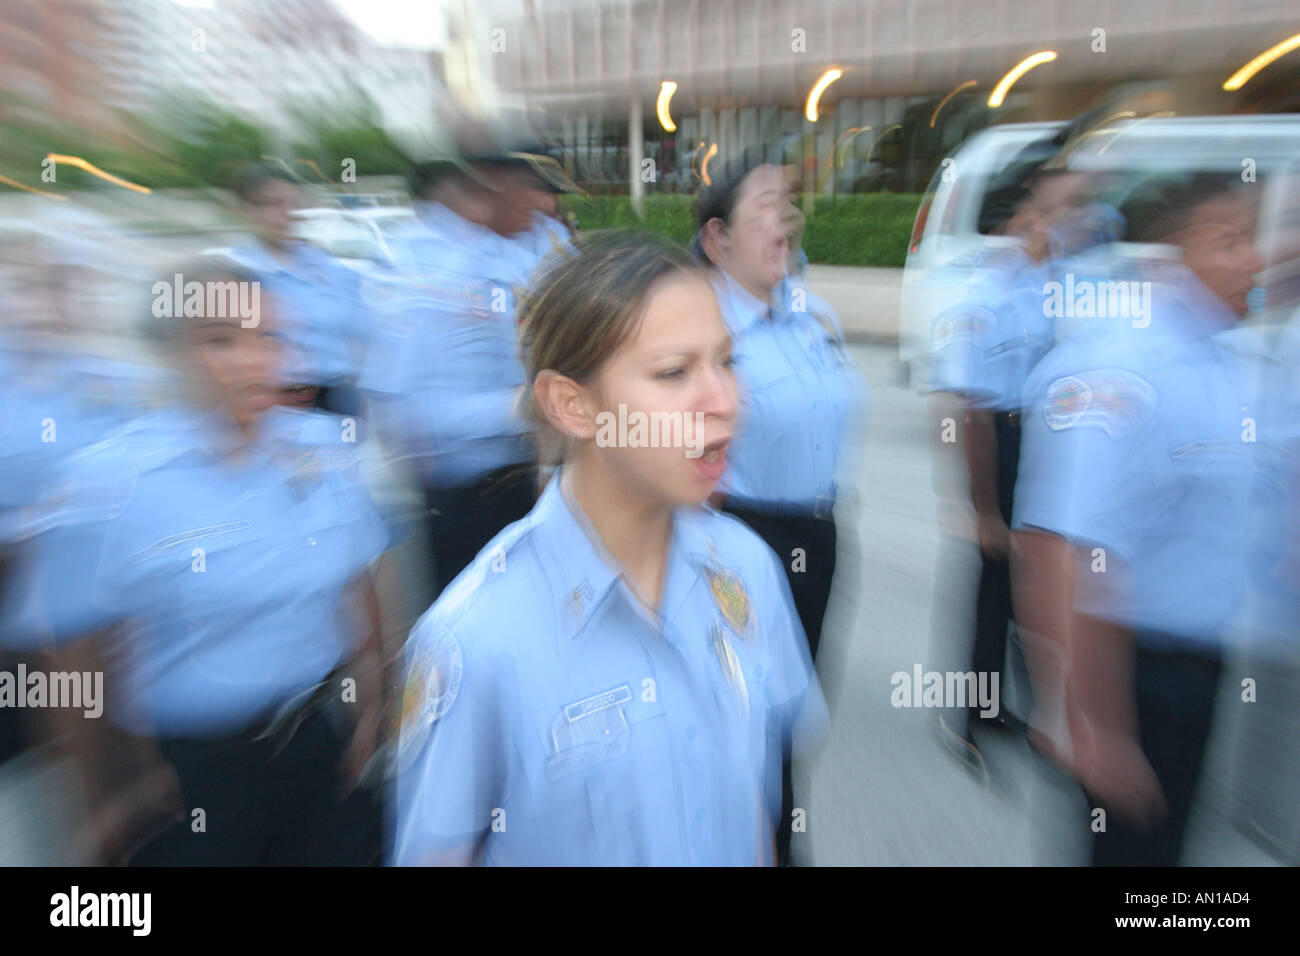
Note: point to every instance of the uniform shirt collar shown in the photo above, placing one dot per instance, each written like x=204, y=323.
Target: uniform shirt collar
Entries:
x=589, y=572
x=745, y=307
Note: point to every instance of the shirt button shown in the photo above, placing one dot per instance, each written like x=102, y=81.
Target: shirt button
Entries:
x=699, y=814
x=758, y=671
x=690, y=733
x=312, y=542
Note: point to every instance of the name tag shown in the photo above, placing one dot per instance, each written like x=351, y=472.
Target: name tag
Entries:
x=588, y=733
x=609, y=698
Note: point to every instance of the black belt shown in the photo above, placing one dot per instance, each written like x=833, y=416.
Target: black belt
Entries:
x=823, y=509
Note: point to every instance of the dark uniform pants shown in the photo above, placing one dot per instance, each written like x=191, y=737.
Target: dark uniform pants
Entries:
x=993, y=610
x=463, y=520
x=15, y=724
x=267, y=808
x=1176, y=694
x=811, y=589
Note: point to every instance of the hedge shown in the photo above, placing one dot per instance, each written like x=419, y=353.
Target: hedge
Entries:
x=865, y=229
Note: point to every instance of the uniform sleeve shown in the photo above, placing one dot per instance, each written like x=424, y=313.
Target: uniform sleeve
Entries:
x=370, y=534
x=794, y=694
x=458, y=414
x=439, y=407
x=72, y=578
x=450, y=749
x=42, y=609
x=1083, y=453
x=960, y=337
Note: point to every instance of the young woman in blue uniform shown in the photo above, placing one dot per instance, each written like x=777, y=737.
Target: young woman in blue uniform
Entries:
x=229, y=542
x=612, y=680
x=801, y=395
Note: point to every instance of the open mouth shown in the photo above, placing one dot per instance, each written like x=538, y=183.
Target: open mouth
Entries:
x=715, y=453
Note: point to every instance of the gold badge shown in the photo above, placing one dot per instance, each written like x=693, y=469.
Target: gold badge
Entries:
x=730, y=597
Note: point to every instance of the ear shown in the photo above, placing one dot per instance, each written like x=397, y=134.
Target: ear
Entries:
x=714, y=240
x=565, y=403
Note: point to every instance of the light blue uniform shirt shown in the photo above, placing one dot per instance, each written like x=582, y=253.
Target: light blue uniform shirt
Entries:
x=987, y=343
x=550, y=714
x=229, y=573
x=543, y=236
x=322, y=320
x=51, y=408
x=800, y=396
x=1135, y=441
x=446, y=372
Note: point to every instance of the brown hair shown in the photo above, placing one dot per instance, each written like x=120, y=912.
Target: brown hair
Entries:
x=586, y=303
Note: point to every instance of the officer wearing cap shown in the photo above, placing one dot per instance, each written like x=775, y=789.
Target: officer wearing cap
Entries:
x=446, y=376
x=1138, y=463
x=538, y=181
x=613, y=678
x=228, y=541
x=326, y=327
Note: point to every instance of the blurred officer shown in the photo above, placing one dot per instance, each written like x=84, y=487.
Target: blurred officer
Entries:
x=984, y=349
x=447, y=376
x=800, y=392
x=540, y=180
x=324, y=325
x=1138, y=465
x=612, y=680
x=229, y=542
x=57, y=396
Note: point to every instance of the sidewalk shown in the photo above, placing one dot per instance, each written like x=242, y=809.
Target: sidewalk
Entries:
x=866, y=299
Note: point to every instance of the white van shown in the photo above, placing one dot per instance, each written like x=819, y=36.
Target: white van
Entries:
x=945, y=238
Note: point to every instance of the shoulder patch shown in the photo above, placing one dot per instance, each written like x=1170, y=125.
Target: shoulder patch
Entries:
x=960, y=324
x=1115, y=400
x=432, y=685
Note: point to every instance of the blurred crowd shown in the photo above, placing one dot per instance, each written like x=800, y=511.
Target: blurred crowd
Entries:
x=236, y=474
x=232, y=481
